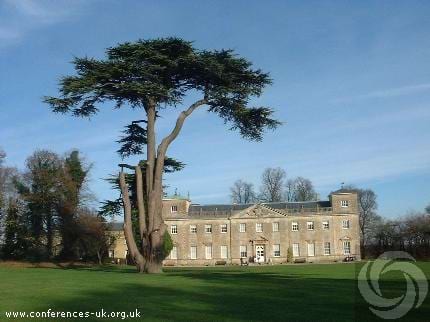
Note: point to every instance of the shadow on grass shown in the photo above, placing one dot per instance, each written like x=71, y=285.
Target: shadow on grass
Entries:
x=219, y=295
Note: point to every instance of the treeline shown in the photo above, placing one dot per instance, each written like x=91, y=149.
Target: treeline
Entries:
x=275, y=187
x=44, y=213
x=410, y=233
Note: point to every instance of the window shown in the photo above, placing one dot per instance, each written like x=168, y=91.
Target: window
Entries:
x=345, y=224
x=193, y=252
x=295, y=226
x=193, y=229
x=347, y=248
x=310, y=225
x=325, y=225
x=311, y=249
x=174, y=229
x=224, y=228
x=224, y=252
x=126, y=253
x=344, y=203
x=296, y=250
x=326, y=248
x=243, y=253
x=174, y=253
x=174, y=209
x=208, y=229
x=259, y=227
x=208, y=252
x=125, y=242
x=275, y=226
x=242, y=228
x=111, y=253
x=276, y=250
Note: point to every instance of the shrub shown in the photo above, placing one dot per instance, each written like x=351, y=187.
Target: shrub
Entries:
x=167, y=245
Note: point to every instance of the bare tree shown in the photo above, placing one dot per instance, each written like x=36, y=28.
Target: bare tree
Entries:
x=367, y=206
x=289, y=191
x=272, y=184
x=300, y=189
x=6, y=174
x=2, y=157
x=242, y=192
x=428, y=209
x=2, y=192
x=93, y=237
x=2, y=178
x=7, y=189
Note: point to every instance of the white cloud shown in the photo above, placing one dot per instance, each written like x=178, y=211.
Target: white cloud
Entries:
x=8, y=34
x=386, y=93
x=21, y=17
x=370, y=168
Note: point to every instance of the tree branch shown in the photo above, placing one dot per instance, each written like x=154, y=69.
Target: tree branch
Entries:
x=162, y=148
x=150, y=147
x=140, y=203
x=128, y=227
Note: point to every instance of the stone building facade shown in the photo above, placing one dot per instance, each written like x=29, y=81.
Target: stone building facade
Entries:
x=314, y=231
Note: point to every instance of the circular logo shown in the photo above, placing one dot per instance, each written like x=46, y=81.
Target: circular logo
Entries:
x=392, y=308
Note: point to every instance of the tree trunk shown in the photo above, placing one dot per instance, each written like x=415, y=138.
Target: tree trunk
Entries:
x=128, y=229
x=49, y=235
x=155, y=267
x=99, y=257
x=149, y=259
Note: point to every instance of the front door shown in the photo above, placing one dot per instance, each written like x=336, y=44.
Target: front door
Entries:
x=311, y=249
x=259, y=253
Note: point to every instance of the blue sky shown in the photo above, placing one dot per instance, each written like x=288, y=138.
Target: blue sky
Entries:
x=351, y=82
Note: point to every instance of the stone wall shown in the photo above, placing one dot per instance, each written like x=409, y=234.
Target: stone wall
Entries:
x=336, y=234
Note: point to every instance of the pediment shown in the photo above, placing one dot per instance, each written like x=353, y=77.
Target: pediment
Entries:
x=258, y=211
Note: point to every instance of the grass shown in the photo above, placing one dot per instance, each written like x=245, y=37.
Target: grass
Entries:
x=270, y=293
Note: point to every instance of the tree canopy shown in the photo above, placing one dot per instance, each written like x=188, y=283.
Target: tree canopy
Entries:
x=162, y=72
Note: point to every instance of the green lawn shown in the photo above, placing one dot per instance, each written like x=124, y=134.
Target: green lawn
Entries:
x=271, y=293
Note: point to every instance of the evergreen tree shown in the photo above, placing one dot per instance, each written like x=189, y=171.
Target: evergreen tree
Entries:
x=156, y=76
x=73, y=177
x=40, y=190
x=16, y=239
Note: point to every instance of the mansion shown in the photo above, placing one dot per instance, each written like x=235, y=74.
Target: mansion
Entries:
x=314, y=231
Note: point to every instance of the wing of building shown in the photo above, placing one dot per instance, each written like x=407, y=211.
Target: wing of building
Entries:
x=313, y=231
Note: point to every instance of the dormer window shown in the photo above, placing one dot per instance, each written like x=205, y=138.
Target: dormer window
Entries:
x=344, y=203
x=174, y=209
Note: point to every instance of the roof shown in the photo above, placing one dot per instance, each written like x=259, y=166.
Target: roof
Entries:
x=175, y=197
x=344, y=190
x=215, y=211
x=220, y=207
x=224, y=211
x=218, y=211
x=297, y=205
